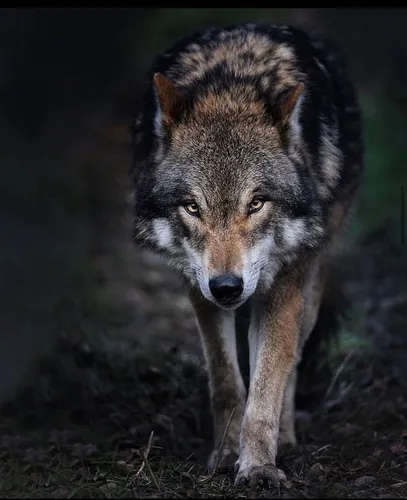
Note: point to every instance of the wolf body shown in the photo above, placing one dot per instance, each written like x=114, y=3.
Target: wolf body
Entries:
x=247, y=158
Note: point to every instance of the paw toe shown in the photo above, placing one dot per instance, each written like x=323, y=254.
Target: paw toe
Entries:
x=265, y=475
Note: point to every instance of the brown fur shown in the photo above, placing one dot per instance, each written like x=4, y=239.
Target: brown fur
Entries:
x=277, y=344
x=290, y=101
x=169, y=97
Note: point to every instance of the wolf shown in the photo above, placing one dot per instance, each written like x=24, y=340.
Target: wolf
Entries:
x=247, y=158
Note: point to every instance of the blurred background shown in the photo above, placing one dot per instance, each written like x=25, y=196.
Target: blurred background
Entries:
x=70, y=81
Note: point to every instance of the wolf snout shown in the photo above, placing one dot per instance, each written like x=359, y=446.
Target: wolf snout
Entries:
x=226, y=287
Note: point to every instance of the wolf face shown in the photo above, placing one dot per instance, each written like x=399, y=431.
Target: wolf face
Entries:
x=231, y=200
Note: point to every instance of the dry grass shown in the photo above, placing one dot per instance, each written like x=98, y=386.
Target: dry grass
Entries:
x=123, y=425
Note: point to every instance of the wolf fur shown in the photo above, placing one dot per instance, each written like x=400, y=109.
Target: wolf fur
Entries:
x=247, y=158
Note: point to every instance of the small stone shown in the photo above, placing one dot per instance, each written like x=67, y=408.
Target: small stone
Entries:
x=316, y=470
x=124, y=467
x=364, y=480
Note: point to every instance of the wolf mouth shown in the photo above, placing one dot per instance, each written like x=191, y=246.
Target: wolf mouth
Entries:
x=230, y=304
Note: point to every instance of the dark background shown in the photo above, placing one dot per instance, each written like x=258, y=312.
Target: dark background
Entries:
x=69, y=82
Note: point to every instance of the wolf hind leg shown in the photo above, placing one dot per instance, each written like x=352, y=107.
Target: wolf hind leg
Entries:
x=313, y=295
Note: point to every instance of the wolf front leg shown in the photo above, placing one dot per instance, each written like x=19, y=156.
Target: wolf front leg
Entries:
x=227, y=389
x=273, y=342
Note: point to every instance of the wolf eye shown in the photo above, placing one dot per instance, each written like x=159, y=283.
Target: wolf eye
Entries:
x=256, y=205
x=192, y=209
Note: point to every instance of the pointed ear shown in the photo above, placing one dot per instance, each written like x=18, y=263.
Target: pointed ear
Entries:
x=169, y=102
x=289, y=106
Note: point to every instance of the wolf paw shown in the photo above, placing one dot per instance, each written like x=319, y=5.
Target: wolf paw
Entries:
x=264, y=475
x=227, y=459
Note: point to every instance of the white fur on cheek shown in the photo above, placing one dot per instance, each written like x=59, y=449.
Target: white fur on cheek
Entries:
x=260, y=259
x=198, y=269
x=293, y=232
x=162, y=233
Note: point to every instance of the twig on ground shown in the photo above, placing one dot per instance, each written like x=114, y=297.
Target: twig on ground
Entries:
x=222, y=444
x=336, y=375
x=144, y=456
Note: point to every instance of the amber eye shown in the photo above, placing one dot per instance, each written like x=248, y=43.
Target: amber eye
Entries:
x=192, y=209
x=256, y=205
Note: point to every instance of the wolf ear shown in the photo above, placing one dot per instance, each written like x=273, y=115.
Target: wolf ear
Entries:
x=169, y=103
x=289, y=107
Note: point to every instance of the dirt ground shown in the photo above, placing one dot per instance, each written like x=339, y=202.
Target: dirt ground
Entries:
x=124, y=412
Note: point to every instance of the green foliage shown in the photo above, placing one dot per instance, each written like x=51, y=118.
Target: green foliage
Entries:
x=385, y=175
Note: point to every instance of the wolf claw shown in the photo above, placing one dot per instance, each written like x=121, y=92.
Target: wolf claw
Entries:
x=264, y=475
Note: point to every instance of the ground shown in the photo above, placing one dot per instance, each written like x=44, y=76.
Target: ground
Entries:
x=119, y=414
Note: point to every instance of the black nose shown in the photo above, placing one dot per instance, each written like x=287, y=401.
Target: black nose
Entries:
x=226, y=287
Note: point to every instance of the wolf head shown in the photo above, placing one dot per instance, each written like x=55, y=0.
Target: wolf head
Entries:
x=225, y=193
